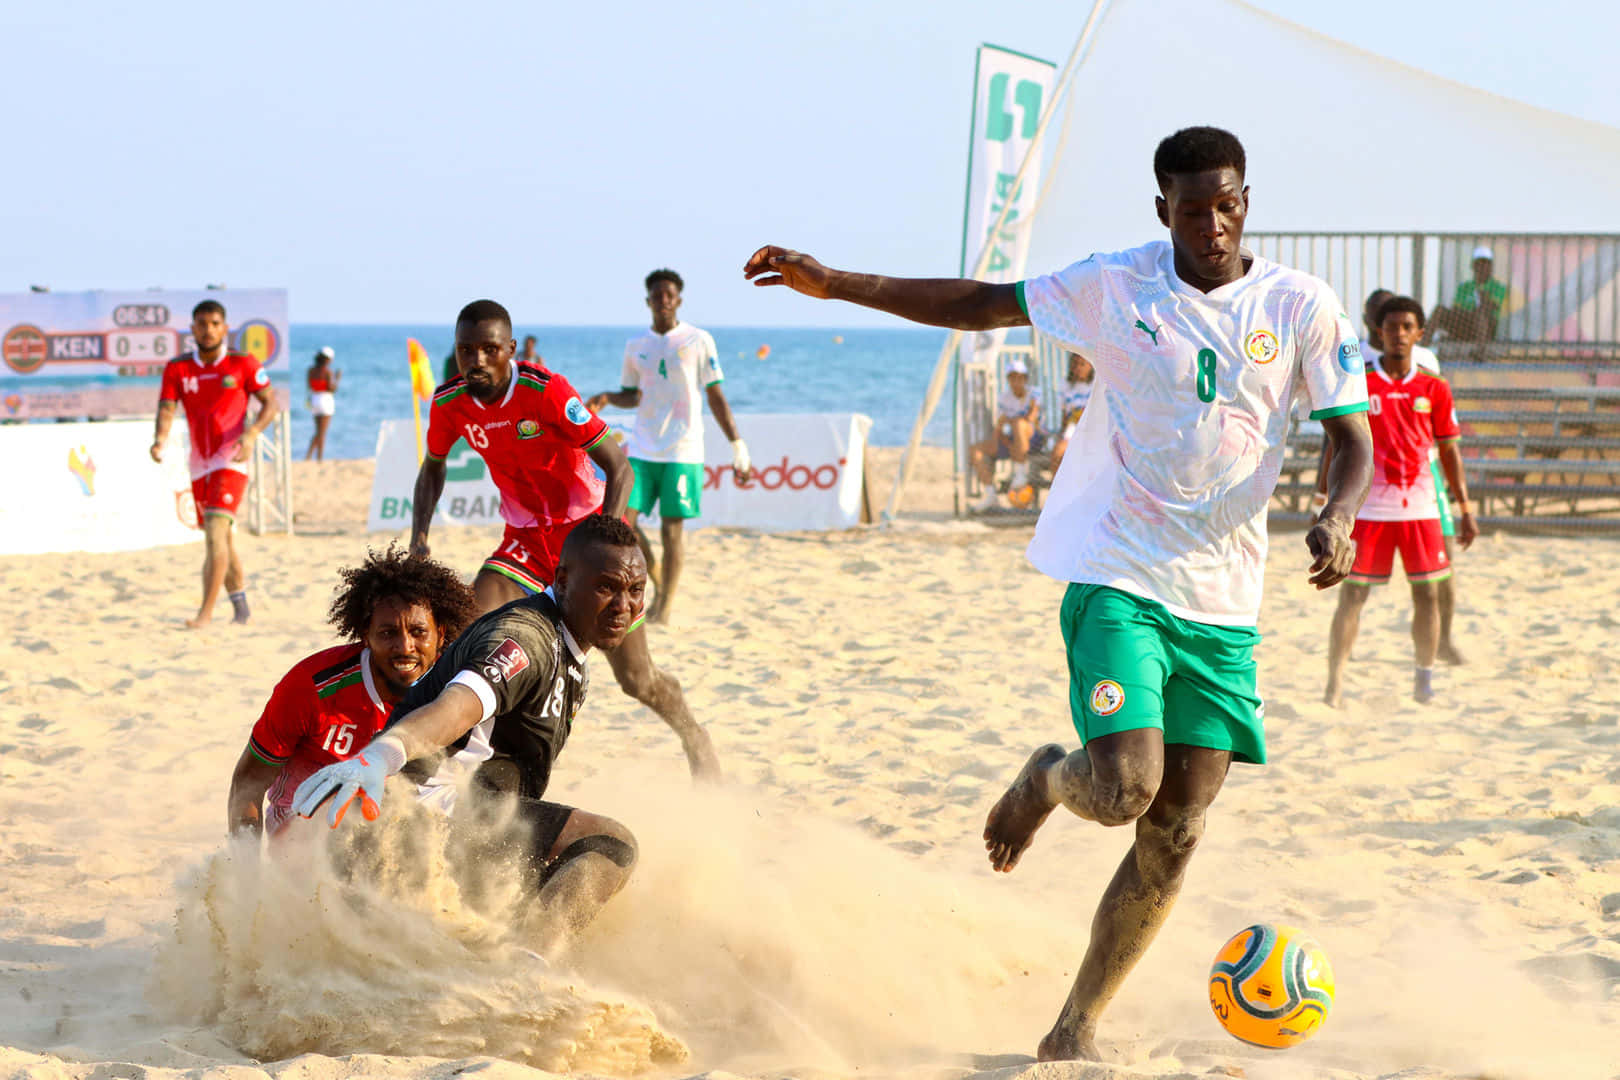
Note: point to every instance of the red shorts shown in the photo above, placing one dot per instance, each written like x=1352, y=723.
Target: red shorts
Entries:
x=219, y=492
x=1422, y=548
x=529, y=556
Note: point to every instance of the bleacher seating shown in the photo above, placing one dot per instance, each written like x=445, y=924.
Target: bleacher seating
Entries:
x=1536, y=457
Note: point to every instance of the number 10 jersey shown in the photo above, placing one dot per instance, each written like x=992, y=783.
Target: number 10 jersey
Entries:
x=1164, y=489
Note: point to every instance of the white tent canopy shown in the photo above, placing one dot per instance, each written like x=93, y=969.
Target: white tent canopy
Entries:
x=1315, y=115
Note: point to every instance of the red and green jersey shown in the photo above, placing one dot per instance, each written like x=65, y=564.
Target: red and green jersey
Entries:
x=535, y=441
x=215, y=397
x=1408, y=417
x=324, y=710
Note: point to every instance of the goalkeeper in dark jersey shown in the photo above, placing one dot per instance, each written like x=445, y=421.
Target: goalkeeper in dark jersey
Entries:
x=498, y=706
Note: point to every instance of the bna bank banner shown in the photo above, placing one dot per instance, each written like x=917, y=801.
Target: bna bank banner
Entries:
x=1010, y=90
x=103, y=333
x=92, y=486
x=809, y=472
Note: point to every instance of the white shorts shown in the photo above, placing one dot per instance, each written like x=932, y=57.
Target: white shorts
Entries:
x=323, y=403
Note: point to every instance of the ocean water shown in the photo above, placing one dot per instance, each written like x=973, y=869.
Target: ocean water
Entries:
x=882, y=373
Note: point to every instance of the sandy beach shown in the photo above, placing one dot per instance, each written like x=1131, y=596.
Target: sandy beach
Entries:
x=828, y=912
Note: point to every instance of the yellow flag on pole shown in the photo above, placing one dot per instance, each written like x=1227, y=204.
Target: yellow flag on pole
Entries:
x=421, y=386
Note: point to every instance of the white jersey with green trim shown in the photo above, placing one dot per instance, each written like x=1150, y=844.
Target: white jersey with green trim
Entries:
x=1164, y=489
x=672, y=371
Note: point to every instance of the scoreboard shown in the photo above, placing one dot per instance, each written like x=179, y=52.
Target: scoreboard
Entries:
x=57, y=335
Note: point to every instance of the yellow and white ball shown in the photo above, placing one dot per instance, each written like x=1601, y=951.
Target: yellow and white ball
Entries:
x=1271, y=986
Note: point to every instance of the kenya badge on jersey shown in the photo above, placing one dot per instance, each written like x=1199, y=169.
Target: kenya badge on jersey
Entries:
x=505, y=661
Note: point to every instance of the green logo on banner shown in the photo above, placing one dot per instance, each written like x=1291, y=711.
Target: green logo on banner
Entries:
x=998, y=124
x=463, y=463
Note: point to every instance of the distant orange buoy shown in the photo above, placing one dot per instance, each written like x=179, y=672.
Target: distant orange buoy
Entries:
x=764, y=351
x=838, y=339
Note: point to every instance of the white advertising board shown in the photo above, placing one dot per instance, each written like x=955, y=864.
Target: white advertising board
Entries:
x=809, y=470
x=91, y=486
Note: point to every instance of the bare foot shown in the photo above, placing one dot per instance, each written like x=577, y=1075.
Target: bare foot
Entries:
x=1449, y=654
x=1060, y=1045
x=1333, y=695
x=197, y=622
x=1017, y=814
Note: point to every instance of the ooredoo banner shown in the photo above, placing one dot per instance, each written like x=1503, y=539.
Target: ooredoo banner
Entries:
x=93, y=487
x=809, y=475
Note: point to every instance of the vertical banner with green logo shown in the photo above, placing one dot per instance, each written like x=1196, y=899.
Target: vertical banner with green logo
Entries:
x=1009, y=92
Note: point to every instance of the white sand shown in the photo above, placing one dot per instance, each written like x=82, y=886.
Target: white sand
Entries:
x=830, y=913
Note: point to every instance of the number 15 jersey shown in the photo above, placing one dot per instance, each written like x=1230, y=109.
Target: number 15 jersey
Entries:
x=1164, y=489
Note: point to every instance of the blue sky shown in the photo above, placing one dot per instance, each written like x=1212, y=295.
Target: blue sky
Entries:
x=387, y=162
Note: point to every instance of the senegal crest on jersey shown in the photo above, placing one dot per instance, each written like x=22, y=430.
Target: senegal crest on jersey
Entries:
x=1261, y=346
x=1107, y=697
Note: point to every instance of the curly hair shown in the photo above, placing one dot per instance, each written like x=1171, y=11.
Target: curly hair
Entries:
x=665, y=274
x=1397, y=304
x=1195, y=150
x=392, y=574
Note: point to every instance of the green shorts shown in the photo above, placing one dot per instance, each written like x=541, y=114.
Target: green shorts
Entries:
x=675, y=487
x=1133, y=665
x=1448, y=523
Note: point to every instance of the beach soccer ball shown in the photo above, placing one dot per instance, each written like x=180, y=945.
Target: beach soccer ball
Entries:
x=1271, y=986
x=1022, y=497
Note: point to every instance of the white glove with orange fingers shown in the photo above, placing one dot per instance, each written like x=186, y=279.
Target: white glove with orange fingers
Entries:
x=361, y=776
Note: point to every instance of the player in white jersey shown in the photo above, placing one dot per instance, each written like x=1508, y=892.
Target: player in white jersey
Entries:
x=1158, y=521
x=668, y=372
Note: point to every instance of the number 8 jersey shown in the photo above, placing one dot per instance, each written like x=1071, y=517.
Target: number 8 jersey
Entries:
x=1164, y=489
x=323, y=710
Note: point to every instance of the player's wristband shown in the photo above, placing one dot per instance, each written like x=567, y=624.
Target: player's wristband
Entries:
x=740, y=461
x=387, y=749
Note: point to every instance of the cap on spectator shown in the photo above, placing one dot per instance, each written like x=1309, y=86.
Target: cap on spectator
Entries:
x=1483, y=252
x=1015, y=366
x=326, y=351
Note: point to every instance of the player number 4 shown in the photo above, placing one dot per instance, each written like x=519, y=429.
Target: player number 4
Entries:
x=340, y=739
x=1206, y=374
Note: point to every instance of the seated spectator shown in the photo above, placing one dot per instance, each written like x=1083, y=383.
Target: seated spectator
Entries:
x=1076, y=396
x=1476, y=309
x=1017, y=432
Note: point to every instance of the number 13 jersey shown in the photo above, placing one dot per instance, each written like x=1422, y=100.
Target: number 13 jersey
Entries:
x=1164, y=489
x=535, y=441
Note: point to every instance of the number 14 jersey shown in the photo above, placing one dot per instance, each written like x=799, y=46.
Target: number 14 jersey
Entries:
x=1164, y=489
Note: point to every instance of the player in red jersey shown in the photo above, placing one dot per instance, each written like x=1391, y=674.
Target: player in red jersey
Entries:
x=1409, y=411
x=397, y=613
x=540, y=442
x=214, y=386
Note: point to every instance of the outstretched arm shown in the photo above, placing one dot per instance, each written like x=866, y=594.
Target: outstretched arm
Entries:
x=956, y=303
x=424, y=500
x=249, y=782
x=628, y=397
x=1348, y=476
x=620, y=476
